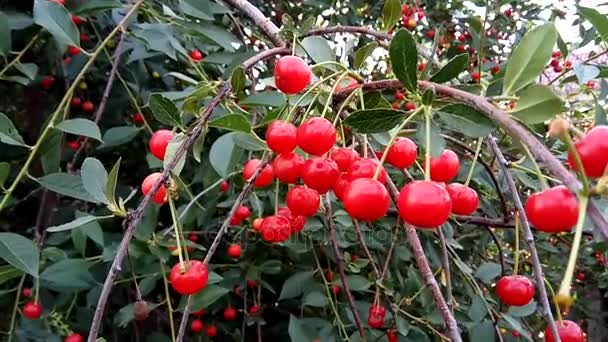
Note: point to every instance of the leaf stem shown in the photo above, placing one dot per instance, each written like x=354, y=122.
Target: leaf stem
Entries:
x=516, y=252
x=427, y=152
x=168, y=300
x=19, y=55
x=564, y=288
x=15, y=308
x=472, y=169
x=333, y=91
x=539, y=172
x=176, y=227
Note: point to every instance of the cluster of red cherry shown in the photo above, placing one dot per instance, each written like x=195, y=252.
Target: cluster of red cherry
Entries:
x=410, y=16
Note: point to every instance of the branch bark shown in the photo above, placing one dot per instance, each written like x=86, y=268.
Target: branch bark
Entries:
x=260, y=20
x=538, y=271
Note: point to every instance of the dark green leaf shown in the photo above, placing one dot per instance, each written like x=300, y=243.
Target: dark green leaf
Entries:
x=488, y=271
x=600, y=119
x=477, y=310
x=28, y=69
x=205, y=298
x=318, y=49
x=523, y=311
x=374, y=120
x=452, y=69
x=271, y=267
x=73, y=224
x=537, y=103
x=482, y=332
x=362, y=54
x=249, y=141
x=5, y=169
x=110, y=189
x=164, y=110
x=8, y=133
x=428, y=96
x=295, y=285
x=202, y=89
x=466, y=120
x=20, y=252
x=404, y=59
x=94, y=178
x=357, y=282
x=529, y=58
x=391, y=12
x=515, y=324
x=66, y=184
x=56, y=19
x=81, y=127
x=94, y=6
x=598, y=20
x=316, y=299
x=267, y=99
x=402, y=325
x=437, y=141
x=238, y=79
x=197, y=9
x=232, y=122
x=174, y=144
x=116, y=136
x=297, y=331
x=5, y=35
x=224, y=155
x=125, y=315
x=68, y=275
x=375, y=99
x=8, y=272
x=218, y=35
x=561, y=45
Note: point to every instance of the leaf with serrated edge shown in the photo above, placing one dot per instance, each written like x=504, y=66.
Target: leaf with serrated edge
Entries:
x=81, y=221
x=80, y=126
x=391, y=12
x=362, y=54
x=174, y=144
x=56, y=19
x=374, y=120
x=452, y=69
x=537, y=103
x=404, y=59
x=20, y=252
x=110, y=189
x=232, y=122
x=94, y=178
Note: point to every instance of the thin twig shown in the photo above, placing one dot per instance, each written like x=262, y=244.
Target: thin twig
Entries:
x=538, y=271
x=366, y=251
x=340, y=264
x=445, y=261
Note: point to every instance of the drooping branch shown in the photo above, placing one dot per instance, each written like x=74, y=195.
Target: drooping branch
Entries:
x=538, y=271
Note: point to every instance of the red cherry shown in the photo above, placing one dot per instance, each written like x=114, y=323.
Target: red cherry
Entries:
x=340, y=186
x=554, y=210
x=88, y=107
x=257, y=224
x=254, y=309
x=508, y=12
x=198, y=313
x=138, y=119
x=159, y=142
x=196, y=55
x=330, y=276
x=395, y=105
x=281, y=136
x=275, y=228
x=558, y=69
x=344, y=157
x=515, y=290
x=76, y=102
x=581, y=277
x=445, y=167
x=77, y=20
x=556, y=54
x=593, y=151
x=303, y=201
x=264, y=179
x=424, y=204
x=251, y=283
x=391, y=335
x=430, y=34
x=193, y=237
x=27, y=292
x=229, y=314
x=320, y=174
x=224, y=186
x=409, y=106
x=61, y=2
x=316, y=136
x=73, y=145
x=288, y=167
x=568, y=64
x=211, y=331
x=161, y=195
x=464, y=199
x=291, y=74
x=462, y=38
x=591, y=84
x=74, y=337
x=495, y=69
x=365, y=168
x=461, y=48
x=196, y=326
x=399, y=96
x=475, y=76
x=375, y=318
x=336, y=289
x=366, y=199
x=421, y=66
x=242, y=213
x=402, y=154
x=32, y=310
x=73, y=50
x=84, y=38
x=47, y=82
x=234, y=251
x=554, y=63
x=568, y=331
x=191, y=280
x=297, y=222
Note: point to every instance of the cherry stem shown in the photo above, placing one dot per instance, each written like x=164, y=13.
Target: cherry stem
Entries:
x=177, y=229
x=276, y=197
x=579, y=164
x=392, y=141
x=344, y=104
x=564, y=288
x=333, y=91
x=516, y=252
x=472, y=169
x=427, y=152
x=364, y=144
x=539, y=173
x=294, y=108
x=557, y=309
x=168, y=300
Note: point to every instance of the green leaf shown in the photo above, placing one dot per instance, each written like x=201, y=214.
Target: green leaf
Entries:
x=5, y=35
x=73, y=224
x=56, y=19
x=110, y=189
x=271, y=267
x=391, y=13
x=598, y=20
x=164, y=110
x=232, y=122
x=249, y=141
x=561, y=45
x=8, y=272
x=514, y=323
x=477, y=310
x=404, y=59
x=529, y=58
x=437, y=141
x=66, y=184
x=174, y=144
x=238, y=79
x=199, y=145
x=191, y=101
x=94, y=6
x=80, y=126
x=218, y=35
x=297, y=331
x=117, y=136
x=68, y=275
x=224, y=155
x=5, y=169
x=466, y=120
x=214, y=278
x=94, y=178
x=126, y=314
x=374, y=120
x=28, y=69
x=20, y=252
x=374, y=99
x=452, y=69
x=428, y=96
x=266, y=99
x=318, y=49
x=8, y=133
x=362, y=54
x=482, y=332
x=523, y=311
x=357, y=282
x=316, y=299
x=197, y=9
x=295, y=285
x=537, y=103
x=205, y=297
x=488, y=271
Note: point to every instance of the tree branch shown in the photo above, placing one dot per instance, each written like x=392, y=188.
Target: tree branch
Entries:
x=260, y=20
x=445, y=260
x=538, y=271
x=366, y=251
